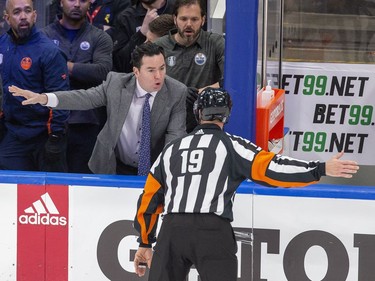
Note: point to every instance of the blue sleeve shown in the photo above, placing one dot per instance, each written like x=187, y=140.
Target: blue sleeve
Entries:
x=56, y=78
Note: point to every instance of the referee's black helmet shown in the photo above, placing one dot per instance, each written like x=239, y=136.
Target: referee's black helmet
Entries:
x=213, y=104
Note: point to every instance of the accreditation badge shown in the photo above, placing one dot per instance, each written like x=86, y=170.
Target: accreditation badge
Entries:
x=200, y=59
x=171, y=61
x=84, y=46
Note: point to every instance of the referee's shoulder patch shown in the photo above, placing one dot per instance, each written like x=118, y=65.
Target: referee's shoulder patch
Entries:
x=199, y=132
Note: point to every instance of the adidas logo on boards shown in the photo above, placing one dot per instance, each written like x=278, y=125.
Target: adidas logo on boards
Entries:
x=42, y=212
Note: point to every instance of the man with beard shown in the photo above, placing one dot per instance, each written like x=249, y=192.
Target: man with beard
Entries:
x=89, y=54
x=102, y=13
x=33, y=137
x=193, y=56
x=131, y=28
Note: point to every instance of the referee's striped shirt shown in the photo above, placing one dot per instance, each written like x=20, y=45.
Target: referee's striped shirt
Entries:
x=200, y=173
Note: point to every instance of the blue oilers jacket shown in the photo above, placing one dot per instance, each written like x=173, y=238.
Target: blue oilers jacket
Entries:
x=35, y=64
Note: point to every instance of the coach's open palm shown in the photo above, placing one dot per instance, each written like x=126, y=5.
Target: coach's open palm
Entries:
x=31, y=97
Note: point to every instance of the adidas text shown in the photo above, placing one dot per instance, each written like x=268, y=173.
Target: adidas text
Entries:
x=42, y=219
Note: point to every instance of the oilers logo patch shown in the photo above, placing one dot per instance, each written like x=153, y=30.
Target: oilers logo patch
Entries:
x=171, y=61
x=200, y=59
x=84, y=45
x=26, y=63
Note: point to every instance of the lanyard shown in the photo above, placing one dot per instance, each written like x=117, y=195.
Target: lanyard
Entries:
x=93, y=15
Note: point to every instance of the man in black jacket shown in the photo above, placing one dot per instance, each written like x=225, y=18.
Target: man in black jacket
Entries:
x=131, y=27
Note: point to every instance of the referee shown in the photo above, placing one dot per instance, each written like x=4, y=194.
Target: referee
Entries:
x=193, y=182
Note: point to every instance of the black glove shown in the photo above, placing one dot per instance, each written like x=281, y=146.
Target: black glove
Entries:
x=191, y=96
x=55, y=148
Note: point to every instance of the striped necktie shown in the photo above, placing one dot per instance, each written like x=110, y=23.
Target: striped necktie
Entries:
x=144, y=162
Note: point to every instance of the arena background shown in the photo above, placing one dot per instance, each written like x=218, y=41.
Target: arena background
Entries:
x=78, y=227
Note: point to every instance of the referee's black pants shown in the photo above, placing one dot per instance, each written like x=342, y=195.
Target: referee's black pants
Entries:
x=203, y=240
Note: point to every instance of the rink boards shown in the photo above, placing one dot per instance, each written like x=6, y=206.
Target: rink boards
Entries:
x=57, y=227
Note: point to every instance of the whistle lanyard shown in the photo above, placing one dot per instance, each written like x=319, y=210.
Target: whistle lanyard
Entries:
x=94, y=14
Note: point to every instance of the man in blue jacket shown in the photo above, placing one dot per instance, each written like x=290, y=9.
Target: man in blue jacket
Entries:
x=33, y=137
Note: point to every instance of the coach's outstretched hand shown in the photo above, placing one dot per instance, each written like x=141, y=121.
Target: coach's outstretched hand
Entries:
x=341, y=168
x=31, y=97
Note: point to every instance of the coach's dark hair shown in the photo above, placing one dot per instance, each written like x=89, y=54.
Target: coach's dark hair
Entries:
x=146, y=49
x=180, y=3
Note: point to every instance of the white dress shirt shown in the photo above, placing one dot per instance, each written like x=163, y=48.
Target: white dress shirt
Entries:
x=130, y=137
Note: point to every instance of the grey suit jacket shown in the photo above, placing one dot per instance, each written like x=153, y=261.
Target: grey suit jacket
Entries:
x=168, y=115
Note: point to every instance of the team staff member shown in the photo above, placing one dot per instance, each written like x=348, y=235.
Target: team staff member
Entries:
x=193, y=56
x=193, y=182
x=131, y=28
x=34, y=138
x=117, y=146
x=102, y=13
x=89, y=54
